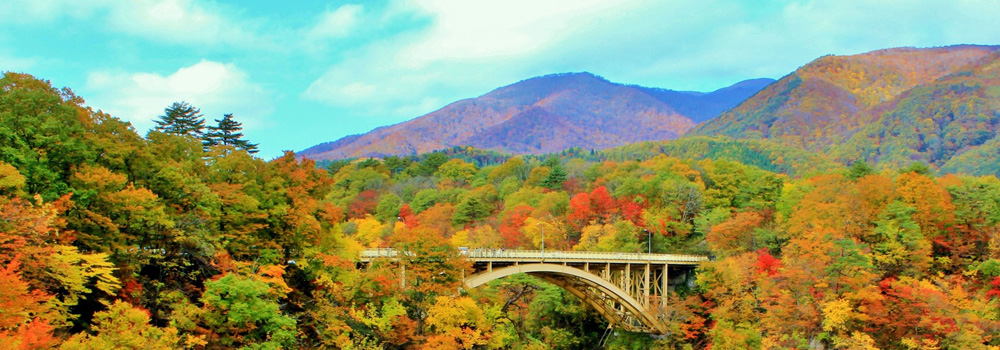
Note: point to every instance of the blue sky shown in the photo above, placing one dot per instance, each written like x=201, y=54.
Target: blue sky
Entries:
x=304, y=72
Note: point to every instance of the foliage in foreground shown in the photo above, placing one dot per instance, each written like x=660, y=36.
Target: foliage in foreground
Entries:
x=195, y=246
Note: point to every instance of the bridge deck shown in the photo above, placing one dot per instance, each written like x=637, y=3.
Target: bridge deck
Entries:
x=503, y=255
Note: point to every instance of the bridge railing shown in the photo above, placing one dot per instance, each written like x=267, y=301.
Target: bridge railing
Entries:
x=484, y=253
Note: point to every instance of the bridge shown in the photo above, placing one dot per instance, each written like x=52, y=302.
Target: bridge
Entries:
x=628, y=289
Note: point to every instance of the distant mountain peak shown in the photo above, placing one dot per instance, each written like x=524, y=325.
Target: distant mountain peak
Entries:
x=543, y=114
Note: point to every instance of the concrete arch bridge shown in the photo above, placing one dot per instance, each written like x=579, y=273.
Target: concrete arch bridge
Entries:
x=627, y=289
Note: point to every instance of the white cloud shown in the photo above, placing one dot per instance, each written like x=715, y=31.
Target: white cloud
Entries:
x=174, y=21
x=216, y=88
x=474, y=30
x=178, y=21
x=337, y=23
x=466, y=44
x=469, y=47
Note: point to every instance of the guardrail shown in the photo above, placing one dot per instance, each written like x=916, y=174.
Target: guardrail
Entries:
x=489, y=254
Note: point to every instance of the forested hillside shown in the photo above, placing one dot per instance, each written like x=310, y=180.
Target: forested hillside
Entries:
x=111, y=239
x=887, y=107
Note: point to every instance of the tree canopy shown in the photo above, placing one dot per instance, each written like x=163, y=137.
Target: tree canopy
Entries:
x=114, y=240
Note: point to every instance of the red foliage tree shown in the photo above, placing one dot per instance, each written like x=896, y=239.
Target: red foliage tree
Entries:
x=767, y=263
x=510, y=227
x=631, y=211
x=579, y=214
x=995, y=292
x=603, y=204
x=364, y=203
x=406, y=214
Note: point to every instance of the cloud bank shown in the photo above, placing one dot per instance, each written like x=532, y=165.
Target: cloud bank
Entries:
x=465, y=47
x=216, y=88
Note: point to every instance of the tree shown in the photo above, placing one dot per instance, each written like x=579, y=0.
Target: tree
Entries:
x=18, y=306
x=510, y=226
x=388, y=207
x=227, y=133
x=456, y=170
x=469, y=210
x=459, y=321
x=243, y=311
x=182, y=119
x=41, y=132
x=555, y=179
x=735, y=235
x=125, y=327
x=858, y=170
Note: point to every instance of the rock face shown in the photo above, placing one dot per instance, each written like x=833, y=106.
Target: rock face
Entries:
x=546, y=114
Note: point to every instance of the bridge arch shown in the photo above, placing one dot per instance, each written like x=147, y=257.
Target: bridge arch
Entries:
x=614, y=304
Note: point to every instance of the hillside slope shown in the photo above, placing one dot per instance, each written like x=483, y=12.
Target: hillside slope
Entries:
x=950, y=123
x=827, y=101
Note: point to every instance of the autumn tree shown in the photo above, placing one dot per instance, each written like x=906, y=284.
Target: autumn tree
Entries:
x=125, y=327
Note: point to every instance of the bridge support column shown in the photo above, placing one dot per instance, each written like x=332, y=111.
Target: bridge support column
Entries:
x=666, y=284
x=628, y=278
x=645, y=287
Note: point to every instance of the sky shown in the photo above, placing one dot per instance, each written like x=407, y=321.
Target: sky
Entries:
x=300, y=73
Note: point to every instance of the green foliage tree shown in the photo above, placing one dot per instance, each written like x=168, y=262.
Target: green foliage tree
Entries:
x=858, y=170
x=41, y=133
x=180, y=118
x=431, y=163
x=227, y=133
x=555, y=179
x=244, y=313
x=388, y=207
x=470, y=209
x=917, y=167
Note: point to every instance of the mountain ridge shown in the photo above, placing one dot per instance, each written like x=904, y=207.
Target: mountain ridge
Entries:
x=591, y=111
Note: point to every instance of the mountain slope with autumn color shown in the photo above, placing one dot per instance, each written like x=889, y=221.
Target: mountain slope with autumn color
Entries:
x=546, y=114
x=891, y=106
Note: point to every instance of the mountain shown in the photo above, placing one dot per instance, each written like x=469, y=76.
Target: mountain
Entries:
x=700, y=106
x=950, y=123
x=546, y=114
x=890, y=107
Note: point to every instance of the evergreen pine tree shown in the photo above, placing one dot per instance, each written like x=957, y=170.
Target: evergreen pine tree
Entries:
x=182, y=119
x=555, y=179
x=228, y=133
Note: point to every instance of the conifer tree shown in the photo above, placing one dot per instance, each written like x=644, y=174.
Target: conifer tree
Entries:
x=182, y=119
x=228, y=133
x=555, y=179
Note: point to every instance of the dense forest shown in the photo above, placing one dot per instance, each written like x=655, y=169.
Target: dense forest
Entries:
x=183, y=239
